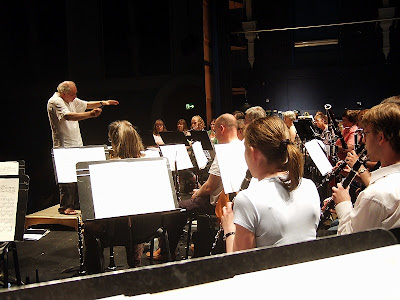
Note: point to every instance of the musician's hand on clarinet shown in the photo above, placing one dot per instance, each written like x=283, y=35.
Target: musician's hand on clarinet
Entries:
x=227, y=218
x=351, y=158
x=339, y=194
x=346, y=170
x=326, y=203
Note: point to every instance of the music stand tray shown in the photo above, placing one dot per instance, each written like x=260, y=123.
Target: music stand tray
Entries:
x=125, y=187
x=201, y=136
x=304, y=129
x=148, y=139
x=174, y=137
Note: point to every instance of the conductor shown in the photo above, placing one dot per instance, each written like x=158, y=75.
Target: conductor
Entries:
x=65, y=111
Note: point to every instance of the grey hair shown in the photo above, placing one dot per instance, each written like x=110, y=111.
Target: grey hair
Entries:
x=255, y=112
x=65, y=87
x=290, y=115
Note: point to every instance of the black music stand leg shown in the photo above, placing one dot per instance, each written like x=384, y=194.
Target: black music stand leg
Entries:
x=165, y=233
x=5, y=266
x=16, y=263
x=189, y=233
x=112, y=265
x=151, y=250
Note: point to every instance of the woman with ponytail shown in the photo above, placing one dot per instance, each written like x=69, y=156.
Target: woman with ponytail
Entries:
x=126, y=143
x=282, y=207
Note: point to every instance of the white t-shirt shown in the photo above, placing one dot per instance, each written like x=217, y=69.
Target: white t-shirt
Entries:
x=276, y=216
x=65, y=133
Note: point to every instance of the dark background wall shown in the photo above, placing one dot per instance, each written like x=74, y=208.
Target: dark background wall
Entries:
x=149, y=56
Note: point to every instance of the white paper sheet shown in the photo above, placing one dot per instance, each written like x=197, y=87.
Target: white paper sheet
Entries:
x=199, y=155
x=124, y=188
x=232, y=165
x=65, y=160
x=8, y=208
x=151, y=153
x=318, y=157
x=9, y=168
x=177, y=153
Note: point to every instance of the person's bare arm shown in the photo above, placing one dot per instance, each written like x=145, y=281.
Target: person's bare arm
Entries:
x=97, y=104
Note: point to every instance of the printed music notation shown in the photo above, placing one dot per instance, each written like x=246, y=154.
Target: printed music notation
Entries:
x=8, y=207
x=9, y=168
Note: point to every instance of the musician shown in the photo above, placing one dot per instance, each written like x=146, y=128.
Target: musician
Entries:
x=253, y=113
x=211, y=132
x=65, y=111
x=182, y=126
x=126, y=143
x=204, y=199
x=282, y=207
x=158, y=127
x=378, y=206
x=289, y=117
x=349, y=120
x=240, y=130
x=238, y=114
x=320, y=121
x=197, y=123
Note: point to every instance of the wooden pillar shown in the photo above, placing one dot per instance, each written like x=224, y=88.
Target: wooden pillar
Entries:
x=207, y=60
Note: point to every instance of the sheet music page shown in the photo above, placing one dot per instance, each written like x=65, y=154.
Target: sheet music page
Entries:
x=177, y=153
x=8, y=208
x=129, y=188
x=318, y=157
x=199, y=155
x=151, y=153
x=9, y=168
x=232, y=165
x=66, y=158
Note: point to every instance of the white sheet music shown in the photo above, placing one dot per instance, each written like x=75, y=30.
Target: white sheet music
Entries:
x=9, y=168
x=199, y=155
x=151, y=153
x=318, y=157
x=232, y=165
x=8, y=208
x=177, y=153
x=124, y=188
x=65, y=160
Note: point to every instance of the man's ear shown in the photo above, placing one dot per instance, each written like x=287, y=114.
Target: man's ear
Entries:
x=382, y=138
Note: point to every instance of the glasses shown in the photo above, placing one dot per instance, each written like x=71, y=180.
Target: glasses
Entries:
x=364, y=133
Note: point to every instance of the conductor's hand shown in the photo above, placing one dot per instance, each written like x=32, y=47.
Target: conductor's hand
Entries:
x=110, y=102
x=227, y=218
x=94, y=113
x=339, y=194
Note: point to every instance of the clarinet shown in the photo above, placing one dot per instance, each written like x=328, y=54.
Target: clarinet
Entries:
x=360, y=151
x=177, y=183
x=243, y=186
x=325, y=212
x=335, y=125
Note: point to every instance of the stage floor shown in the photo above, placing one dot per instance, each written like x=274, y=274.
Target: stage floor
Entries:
x=56, y=256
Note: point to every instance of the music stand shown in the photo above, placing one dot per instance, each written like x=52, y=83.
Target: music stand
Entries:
x=14, y=194
x=65, y=160
x=174, y=137
x=148, y=139
x=126, y=188
x=304, y=129
x=201, y=136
